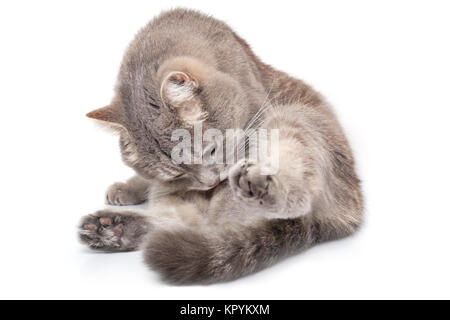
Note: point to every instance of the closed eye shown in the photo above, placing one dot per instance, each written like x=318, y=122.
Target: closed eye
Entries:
x=154, y=105
x=210, y=150
x=152, y=101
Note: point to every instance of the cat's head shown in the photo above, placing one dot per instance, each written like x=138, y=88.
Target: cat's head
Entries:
x=152, y=101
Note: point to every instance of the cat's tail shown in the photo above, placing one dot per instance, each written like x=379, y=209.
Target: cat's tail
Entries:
x=186, y=256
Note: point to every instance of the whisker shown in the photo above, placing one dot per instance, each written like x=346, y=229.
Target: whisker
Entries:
x=262, y=107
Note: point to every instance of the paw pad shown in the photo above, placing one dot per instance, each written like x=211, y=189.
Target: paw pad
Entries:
x=249, y=183
x=106, y=222
x=101, y=232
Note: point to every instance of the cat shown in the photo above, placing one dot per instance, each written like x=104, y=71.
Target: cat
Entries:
x=183, y=69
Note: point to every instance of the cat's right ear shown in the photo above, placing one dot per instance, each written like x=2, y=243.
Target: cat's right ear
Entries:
x=179, y=92
x=108, y=116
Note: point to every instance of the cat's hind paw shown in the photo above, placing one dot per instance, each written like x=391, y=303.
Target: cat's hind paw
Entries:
x=249, y=184
x=113, y=231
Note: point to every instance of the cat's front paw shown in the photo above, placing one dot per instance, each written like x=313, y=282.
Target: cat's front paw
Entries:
x=251, y=185
x=120, y=194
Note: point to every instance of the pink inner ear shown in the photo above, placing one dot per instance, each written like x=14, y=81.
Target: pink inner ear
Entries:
x=180, y=78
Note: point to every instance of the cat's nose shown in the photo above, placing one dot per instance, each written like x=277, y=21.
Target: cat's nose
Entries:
x=215, y=184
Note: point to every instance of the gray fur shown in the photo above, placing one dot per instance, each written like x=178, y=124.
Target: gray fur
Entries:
x=182, y=66
x=132, y=192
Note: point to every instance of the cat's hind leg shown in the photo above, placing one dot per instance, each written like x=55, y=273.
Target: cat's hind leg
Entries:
x=284, y=193
x=132, y=192
x=114, y=231
x=253, y=187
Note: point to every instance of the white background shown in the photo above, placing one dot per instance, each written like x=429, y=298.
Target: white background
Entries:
x=384, y=65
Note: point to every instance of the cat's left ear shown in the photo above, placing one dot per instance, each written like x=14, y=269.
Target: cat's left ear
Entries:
x=180, y=92
x=109, y=116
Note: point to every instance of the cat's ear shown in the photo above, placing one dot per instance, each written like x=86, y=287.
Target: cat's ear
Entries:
x=180, y=91
x=109, y=116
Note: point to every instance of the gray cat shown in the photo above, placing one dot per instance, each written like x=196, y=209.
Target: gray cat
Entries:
x=186, y=68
